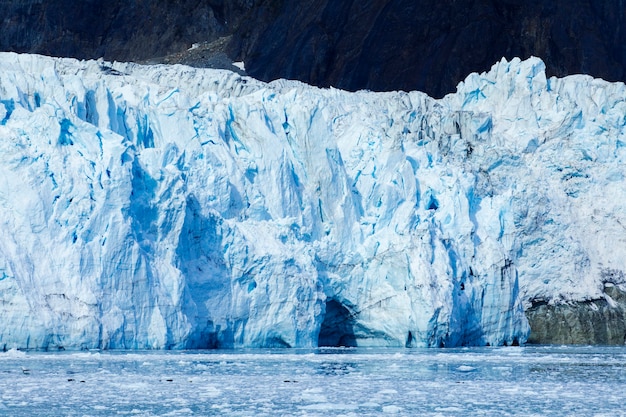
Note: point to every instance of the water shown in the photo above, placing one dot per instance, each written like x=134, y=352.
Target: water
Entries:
x=525, y=381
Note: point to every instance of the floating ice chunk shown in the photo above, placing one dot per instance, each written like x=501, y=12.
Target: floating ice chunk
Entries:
x=13, y=353
x=392, y=409
x=329, y=407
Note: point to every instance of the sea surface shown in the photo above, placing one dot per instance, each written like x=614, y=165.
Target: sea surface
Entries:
x=524, y=381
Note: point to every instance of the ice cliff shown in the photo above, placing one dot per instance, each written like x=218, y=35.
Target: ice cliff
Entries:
x=171, y=207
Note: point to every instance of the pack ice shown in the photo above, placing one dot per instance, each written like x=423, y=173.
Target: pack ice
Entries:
x=172, y=207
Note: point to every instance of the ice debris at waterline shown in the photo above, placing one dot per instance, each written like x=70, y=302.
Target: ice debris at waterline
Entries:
x=172, y=207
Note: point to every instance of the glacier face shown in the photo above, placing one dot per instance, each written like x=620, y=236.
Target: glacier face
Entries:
x=171, y=207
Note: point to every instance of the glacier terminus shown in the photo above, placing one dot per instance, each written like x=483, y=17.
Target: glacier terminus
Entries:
x=168, y=207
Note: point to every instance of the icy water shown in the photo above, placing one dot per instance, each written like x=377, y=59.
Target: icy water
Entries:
x=525, y=381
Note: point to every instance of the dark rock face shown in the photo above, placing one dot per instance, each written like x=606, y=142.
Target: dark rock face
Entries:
x=430, y=45
x=115, y=30
x=427, y=45
x=589, y=322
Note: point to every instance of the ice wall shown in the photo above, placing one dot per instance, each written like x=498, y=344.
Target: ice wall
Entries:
x=171, y=207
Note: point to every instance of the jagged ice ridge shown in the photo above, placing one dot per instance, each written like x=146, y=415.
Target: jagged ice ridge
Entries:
x=172, y=207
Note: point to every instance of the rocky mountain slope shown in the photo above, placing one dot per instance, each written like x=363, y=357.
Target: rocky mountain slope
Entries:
x=423, y=45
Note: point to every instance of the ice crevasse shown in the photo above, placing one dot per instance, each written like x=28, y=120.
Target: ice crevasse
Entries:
x=171, y=207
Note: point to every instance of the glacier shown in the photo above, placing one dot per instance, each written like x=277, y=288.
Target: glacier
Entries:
x=169, y=207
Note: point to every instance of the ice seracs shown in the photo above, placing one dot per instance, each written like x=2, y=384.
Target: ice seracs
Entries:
x=172, y=207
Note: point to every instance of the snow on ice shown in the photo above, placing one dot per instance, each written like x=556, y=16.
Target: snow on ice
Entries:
x=173, y=207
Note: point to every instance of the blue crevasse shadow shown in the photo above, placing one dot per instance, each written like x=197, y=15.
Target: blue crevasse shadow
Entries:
x=65, y=136
x=9, y=105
